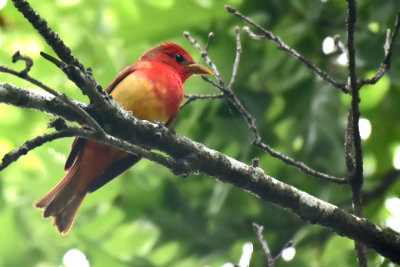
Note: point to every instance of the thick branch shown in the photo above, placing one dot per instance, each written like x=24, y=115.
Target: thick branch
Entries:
x=35, y=100
x=189, y=155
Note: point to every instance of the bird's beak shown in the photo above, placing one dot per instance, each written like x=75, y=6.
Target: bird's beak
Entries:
x=196, y=68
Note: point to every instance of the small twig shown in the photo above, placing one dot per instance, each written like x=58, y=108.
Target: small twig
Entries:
x=283, y=46
x=259, y=231
x=270, y=259
x=204, y=97
x=192, y=97
x=255, y=163
x=252, y=35
x=28, y=62
x=24, y=75
x=210, y=36
x=301, y=166
x=213, y=83
x=388, y=49
x=207, y=59
x=51, y=59
x=16, y=153
x=237, y=58
x=257, y=140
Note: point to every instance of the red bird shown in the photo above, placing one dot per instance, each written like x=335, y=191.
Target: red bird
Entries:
x=152, y=89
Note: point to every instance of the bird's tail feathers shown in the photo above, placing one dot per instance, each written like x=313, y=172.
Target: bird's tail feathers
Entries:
x=63, y=201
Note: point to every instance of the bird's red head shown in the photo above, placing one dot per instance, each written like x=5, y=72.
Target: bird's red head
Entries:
x=176, y=57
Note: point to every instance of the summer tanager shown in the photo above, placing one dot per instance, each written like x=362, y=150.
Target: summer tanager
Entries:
x=152, y=89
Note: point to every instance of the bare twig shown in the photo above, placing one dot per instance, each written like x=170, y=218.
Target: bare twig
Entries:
x=24, y=75
x=301, y=166
x=207, y=59
x=270, y=259
x=252, y=35
x=204, y=97
x=51, y=59
x=192, y=97
x=283, y=46
x=28, y=62
x=255, y=163
x=30, y=145
x=259, y=231
x=388, y=49
x=237, y=58
x=210, y=36
x=257, y=140
x=216, y=85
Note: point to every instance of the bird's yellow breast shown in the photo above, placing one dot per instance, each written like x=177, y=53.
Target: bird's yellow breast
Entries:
x=150, y=96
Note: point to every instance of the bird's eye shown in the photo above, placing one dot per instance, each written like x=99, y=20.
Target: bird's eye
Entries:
x=179, y=58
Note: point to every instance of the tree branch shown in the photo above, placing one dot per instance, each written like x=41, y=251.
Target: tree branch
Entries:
x=259, y=231
x=43, y=102
x=192, y=97
x=388, y=49
x=355, y=173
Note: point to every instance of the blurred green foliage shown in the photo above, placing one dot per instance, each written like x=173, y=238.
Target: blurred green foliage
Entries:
x=148, y=217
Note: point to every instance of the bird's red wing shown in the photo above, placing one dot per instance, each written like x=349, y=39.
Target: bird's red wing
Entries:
x=79, y=143
x=76, y=147
x=125, y=72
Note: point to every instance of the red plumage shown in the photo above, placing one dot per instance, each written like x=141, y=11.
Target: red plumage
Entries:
x=152, y=89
